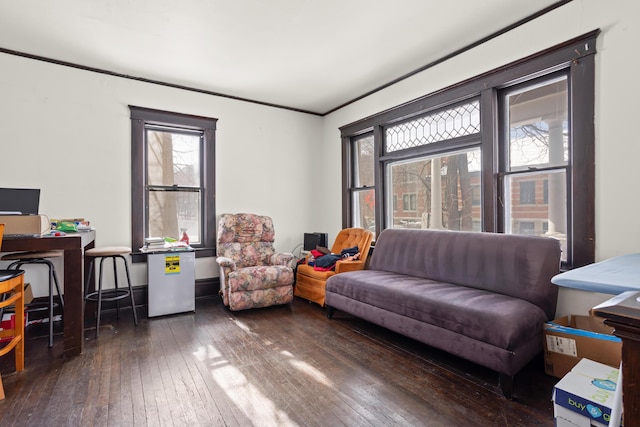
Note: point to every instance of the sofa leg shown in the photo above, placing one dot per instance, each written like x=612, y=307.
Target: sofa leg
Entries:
x=329, y=311
x=506, y=384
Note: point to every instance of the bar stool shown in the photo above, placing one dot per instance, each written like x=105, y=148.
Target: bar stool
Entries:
x=116, y=294
x=39, y=257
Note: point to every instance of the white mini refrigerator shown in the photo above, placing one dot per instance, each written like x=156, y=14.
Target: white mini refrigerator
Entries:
x=172, y=282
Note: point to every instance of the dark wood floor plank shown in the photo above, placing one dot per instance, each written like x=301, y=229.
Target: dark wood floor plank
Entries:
x=193, y=394
x=277, y=366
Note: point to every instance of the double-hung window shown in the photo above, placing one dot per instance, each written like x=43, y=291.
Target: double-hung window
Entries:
x=363, y=183
x=173, y=186
x=509, y=151
x=536, y=154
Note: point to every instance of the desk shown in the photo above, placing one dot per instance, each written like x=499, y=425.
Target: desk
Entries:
x=73, y=245
x=612, y=276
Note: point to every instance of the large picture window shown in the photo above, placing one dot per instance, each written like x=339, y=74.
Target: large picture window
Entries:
x=173, y=178
x=510, y=151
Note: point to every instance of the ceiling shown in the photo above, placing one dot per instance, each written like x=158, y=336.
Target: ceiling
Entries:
x=312, y=56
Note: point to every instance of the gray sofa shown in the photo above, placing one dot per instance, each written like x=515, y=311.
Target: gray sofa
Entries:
x=481, y=296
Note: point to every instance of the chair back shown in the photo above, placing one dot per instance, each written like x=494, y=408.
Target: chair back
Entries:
x=12, y=294
x=246, y=238
x=350, y=237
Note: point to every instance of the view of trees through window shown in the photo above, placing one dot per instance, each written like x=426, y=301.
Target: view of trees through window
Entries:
x=174, y=184
x=172, y=178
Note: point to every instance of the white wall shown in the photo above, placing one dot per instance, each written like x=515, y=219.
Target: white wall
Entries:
x=67, y=132
x=617, y=90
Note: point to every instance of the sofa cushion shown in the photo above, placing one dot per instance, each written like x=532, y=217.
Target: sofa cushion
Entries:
x=497, y=319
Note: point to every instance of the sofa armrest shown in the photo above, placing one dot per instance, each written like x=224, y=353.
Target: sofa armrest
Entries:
x=344, y=266
x=283, y=258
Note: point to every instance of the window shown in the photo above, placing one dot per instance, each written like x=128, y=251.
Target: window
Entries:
x=527, y=227
x=537, y=138
x=439, y=196
x=408, y=202
x=527, y=192
x=476, y=195
x=172, y=174
x=510, y=151
x=363, y=180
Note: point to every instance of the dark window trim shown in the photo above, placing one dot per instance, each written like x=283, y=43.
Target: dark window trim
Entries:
x=140, y=116
x=575, y=55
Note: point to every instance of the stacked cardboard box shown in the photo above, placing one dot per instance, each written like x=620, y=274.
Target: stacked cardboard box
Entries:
x=569, y=339
x=585, y=397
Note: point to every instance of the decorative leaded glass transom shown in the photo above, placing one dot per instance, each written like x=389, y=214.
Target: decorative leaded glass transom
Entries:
x=446, y=124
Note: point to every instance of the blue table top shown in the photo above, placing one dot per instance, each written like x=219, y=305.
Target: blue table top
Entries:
x=611, y=276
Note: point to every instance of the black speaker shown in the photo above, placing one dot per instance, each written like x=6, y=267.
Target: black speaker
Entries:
x=311, y=240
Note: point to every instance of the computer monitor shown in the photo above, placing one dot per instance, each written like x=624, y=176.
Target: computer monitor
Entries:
x=24, y=201
x=312, y=240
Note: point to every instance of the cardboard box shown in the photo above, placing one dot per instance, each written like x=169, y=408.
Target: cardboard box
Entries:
x=585, y=396
x=25, y=225
x=569, y=339
x=9, y=322
x=28, y=293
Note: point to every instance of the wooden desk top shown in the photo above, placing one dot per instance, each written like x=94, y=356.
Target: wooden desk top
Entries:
x=43, y=243
x=623, y=308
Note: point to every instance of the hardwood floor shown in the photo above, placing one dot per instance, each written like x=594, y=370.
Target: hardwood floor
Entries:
x=278, y=366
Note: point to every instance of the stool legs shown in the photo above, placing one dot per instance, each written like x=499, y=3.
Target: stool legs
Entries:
x=133, y=303
x=53, y=279
x=118, y=294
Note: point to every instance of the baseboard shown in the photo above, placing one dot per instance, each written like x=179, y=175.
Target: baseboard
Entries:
x=205, y=288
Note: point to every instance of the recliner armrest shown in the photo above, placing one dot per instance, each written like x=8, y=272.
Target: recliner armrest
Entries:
x=344, y=266
x=283, y=258
x=225, y=262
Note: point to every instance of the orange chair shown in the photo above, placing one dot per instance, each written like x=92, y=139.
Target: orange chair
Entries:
x=12, y=292
x=310, y=283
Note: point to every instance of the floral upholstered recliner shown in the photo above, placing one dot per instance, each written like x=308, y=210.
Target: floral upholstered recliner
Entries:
x=252, y=273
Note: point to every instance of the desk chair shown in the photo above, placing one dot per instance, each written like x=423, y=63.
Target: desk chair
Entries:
x=42, y=258
x=12, y=293
x=116, y=294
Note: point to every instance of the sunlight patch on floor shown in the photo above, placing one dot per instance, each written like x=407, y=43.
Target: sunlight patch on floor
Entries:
x=245, y=395
x=309, y=370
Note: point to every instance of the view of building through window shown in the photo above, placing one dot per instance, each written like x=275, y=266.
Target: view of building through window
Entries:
x=438, y=192
x=441, y=189
x=509, y=151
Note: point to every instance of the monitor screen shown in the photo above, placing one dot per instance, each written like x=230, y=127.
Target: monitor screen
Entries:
x=25, y=201
x=311, y=240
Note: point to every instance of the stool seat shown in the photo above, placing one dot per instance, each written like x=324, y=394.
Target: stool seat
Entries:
x=31, y=255
x=107, y=251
